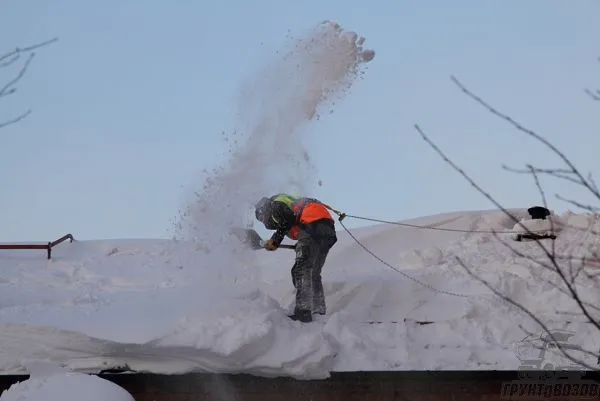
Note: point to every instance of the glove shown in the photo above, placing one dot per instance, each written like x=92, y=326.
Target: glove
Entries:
x=270, y=245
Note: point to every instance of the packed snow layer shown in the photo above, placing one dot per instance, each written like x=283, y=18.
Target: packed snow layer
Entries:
x=159, y=306
x=48, y=382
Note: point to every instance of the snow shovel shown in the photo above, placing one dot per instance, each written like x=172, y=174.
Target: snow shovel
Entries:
x=252, y=238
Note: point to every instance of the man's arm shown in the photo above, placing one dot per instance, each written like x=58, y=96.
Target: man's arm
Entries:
x=284, y=219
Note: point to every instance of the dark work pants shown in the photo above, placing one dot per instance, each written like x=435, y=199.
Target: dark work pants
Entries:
x=314, y=242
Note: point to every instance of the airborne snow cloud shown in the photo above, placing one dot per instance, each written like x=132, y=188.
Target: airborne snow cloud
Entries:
x=275, y=107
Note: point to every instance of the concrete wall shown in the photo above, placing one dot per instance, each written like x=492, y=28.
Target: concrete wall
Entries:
x=352, y=386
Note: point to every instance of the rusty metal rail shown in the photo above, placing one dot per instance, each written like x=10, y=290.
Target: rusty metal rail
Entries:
x=48, y=246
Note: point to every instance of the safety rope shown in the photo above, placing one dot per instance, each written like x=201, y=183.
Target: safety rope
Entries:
x=507, y=301
x=395, y=269
x=457, y=230
x=341, y=217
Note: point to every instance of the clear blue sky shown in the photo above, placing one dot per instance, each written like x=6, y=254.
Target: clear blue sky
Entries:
x=129, y=105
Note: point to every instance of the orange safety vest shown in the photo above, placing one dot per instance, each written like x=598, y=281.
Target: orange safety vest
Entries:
x=307, y=210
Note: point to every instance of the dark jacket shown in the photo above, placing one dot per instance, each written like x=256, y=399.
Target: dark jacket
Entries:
x=282, y=219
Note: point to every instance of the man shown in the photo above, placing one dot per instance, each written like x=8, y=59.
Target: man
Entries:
x=309, y=222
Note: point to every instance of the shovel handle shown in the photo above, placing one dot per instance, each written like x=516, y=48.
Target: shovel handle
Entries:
x=286, y=246
x=251, y=237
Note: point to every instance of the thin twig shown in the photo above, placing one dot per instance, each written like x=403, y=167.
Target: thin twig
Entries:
x=530, y=133
x=594, y=95
x=547, y=252
x=9, y=88
x=543, y=140
x=571, y=174
x=26, y=49
x=15, y=119
x=527, y=312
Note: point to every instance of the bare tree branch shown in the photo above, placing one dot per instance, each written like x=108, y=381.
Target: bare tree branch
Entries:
x=8, y=88
x=15, y=119
x=594, y=94
x=15, y=54
x=544, y=201
x=10, y=58
x=567, y=268
x=588, y=208
x=519, y=306
x=558, y=173
x=532, y=134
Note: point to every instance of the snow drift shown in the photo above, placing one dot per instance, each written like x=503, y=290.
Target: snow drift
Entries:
x=151, y=305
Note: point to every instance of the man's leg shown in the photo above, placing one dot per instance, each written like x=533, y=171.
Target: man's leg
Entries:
x=306, y=251
x=318, y=304
x=295, y=273
x=326, y=237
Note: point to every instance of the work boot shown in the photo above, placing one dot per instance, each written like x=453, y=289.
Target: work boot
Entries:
x=303, y=316
x=319, y=310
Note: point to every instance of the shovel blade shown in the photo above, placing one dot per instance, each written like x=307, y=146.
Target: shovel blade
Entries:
x=249, y=237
